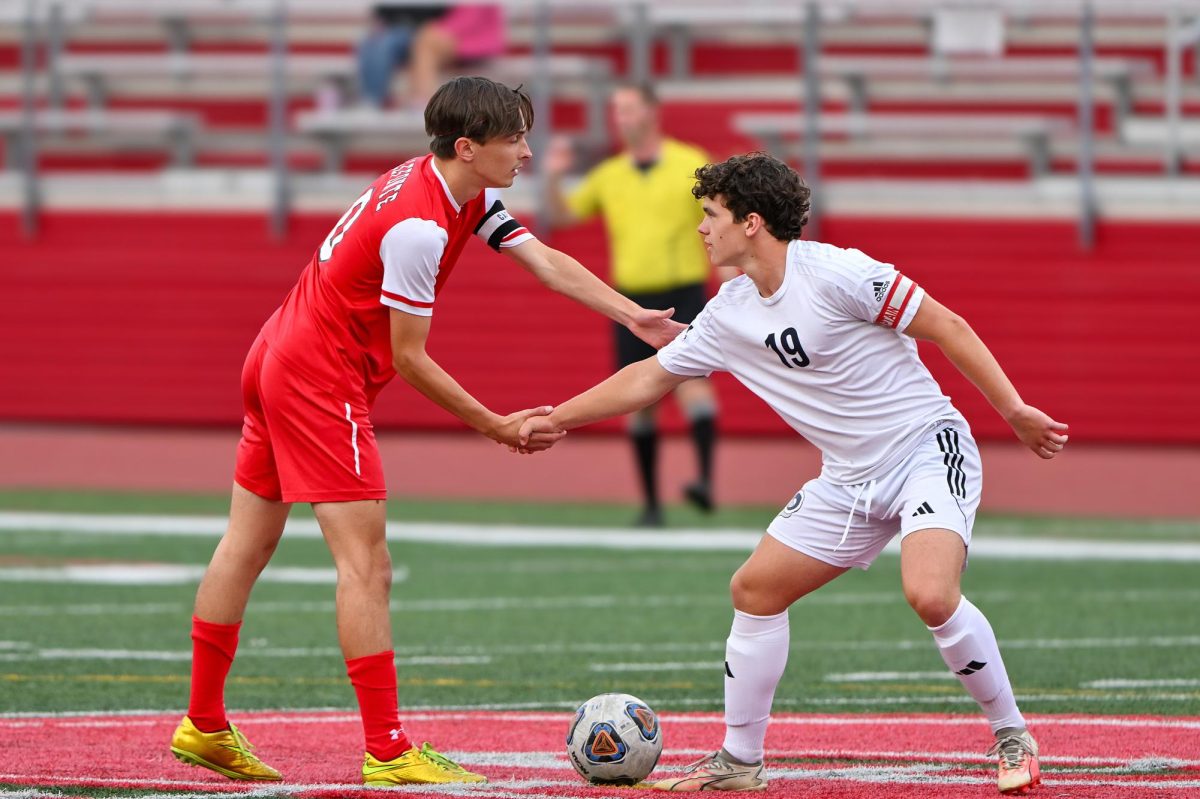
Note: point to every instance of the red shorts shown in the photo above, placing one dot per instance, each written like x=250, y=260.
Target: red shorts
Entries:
x=300, y=442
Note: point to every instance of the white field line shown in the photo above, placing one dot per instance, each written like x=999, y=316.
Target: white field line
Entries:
x=179, y=656
x=471, y=605
x=888, y=676
x=15, y=651
x=920, y=773
x=1028, y=698
x=713, y=665
x=163, y=574
x=481, y=713
x=1177, y=596
x=492, y=790
x=946, y=699
x=1017, y=548
x=558, y=760
x=1181, y=683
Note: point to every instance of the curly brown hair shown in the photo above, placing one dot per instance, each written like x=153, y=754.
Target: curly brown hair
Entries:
x=756, y=183
x=479, y=109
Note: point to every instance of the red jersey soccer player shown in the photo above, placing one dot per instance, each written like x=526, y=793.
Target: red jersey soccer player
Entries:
x=359, y=315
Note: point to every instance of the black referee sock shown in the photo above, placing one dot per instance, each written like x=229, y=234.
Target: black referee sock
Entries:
x=704, y=436
x=645, y=447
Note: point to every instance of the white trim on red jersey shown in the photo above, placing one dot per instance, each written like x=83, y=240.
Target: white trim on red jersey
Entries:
x=411, y=252
x=445, y=185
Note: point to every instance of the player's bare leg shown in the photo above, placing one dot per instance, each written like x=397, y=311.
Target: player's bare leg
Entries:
x=698, y=400
x=255, y=527
x=756, y=653
x=931, y=563
x=355, y=534
x=205, y=737
x=775, y=576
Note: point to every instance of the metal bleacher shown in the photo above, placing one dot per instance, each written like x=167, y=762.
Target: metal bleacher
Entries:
x=1084, y=108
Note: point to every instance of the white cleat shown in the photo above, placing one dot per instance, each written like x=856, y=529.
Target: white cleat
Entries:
x=717, y=772
x=1018, y=766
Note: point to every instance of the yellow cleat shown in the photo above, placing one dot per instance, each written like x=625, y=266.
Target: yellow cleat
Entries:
x=224, y=751
x=422, y=766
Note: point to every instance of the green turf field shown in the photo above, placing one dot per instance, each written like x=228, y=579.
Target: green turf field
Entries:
x=547, y=626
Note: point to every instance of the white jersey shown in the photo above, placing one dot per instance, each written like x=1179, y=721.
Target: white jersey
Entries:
x=826, y=352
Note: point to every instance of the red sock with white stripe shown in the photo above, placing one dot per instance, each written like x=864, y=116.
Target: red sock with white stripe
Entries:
x=969, y=648
x=213, y=648
x=374, y=681
x=756, y=653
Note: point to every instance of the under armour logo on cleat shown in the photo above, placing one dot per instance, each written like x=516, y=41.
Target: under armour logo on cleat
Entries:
x=971, y=668
x=923, y=509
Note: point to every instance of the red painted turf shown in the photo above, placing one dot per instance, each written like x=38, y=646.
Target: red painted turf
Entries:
x=833, y=757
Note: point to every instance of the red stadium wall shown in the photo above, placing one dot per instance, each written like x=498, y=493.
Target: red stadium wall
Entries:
x=145, y=318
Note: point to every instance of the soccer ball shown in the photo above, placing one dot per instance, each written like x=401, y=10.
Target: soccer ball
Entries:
x=614, y=739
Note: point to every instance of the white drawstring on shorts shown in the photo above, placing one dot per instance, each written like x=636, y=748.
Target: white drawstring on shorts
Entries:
x=869, y=487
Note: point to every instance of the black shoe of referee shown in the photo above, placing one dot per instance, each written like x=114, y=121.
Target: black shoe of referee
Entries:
x=651, y=516
x=699, y=493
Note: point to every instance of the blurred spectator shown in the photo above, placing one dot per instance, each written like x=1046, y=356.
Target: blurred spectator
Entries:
x=387, y=45
x=658, y=260
x=465, y=35
x=425, y=40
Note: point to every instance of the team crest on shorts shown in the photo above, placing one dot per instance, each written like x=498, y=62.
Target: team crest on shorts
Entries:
x=794, y=505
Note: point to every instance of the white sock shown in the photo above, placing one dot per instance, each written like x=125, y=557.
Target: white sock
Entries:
x=969, y=648
x=755, y=655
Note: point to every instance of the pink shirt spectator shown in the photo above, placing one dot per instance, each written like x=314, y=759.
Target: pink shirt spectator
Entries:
x=478, y=30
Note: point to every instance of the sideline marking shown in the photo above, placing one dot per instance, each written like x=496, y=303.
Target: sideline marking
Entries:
x=1017, y=548
x=164, y=574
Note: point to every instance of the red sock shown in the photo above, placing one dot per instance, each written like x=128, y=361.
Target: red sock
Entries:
x=374, y=681
x=213, y=647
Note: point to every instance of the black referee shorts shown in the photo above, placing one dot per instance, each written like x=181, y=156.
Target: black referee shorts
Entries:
x=687, y=301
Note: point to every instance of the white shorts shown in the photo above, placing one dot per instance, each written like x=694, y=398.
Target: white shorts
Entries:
x=937, y=486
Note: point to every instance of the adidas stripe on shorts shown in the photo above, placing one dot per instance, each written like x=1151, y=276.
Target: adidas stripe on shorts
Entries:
x=937, y=486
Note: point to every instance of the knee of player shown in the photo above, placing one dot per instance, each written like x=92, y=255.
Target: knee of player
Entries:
x=748, y=594
x=371, y=574
x=262, y=554
x=935, y=604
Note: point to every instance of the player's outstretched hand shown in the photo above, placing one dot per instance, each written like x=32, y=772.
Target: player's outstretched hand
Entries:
x=1038, y=431
x=508, y=431
x=536, y=427
x=656, y=328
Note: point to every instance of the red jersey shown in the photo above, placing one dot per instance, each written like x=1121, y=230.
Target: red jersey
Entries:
x=394, y=248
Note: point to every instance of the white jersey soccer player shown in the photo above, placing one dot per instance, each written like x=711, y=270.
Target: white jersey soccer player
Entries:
x=823, y=351
x=825, y=336
x=864, y=393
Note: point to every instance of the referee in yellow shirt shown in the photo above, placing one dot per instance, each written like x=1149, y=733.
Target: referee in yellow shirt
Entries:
x=658, y=260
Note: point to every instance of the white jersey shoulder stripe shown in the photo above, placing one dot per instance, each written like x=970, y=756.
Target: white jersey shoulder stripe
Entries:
x=897, y=300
